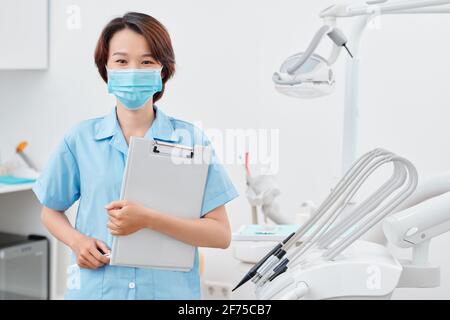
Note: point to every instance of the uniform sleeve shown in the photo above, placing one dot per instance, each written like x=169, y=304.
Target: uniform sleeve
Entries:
x=58, y=186
x=219, y=189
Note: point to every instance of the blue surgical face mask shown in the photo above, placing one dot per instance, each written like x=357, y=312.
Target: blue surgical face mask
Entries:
x=134, y=87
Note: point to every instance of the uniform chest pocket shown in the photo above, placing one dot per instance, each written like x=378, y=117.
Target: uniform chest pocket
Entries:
x=103, y=175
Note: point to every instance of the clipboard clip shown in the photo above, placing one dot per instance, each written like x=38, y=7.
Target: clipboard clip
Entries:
x=172, y=149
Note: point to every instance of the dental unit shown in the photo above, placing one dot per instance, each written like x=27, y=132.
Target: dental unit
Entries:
x=326, y=257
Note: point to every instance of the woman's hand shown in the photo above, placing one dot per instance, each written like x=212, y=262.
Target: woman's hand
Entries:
x=89, y=252
x=126, y=217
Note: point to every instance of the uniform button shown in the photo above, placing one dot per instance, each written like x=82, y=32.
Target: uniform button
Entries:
x=131, y=285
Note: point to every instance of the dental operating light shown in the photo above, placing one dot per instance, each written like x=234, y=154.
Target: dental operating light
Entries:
x=307, y=74
x=310, y=75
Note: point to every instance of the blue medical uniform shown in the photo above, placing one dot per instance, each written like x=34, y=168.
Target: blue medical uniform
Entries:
x=88, y=166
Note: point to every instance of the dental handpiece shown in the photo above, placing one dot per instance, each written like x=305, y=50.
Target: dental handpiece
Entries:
x=253, y=271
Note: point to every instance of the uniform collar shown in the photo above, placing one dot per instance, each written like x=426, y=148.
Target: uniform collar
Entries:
x=161, y=128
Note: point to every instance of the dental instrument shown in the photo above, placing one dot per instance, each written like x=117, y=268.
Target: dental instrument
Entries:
x=252, y=272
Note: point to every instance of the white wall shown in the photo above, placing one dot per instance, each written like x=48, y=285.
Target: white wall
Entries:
x=226, y=53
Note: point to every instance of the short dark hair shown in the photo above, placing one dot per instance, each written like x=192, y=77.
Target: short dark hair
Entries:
x=155, y=34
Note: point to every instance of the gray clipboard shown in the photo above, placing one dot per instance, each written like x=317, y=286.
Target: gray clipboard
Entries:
x=170, y=178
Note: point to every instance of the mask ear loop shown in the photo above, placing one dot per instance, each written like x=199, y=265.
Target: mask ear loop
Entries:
x=162, y=74
x=107, y=72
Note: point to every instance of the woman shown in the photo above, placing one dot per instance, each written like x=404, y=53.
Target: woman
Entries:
x=134, y=56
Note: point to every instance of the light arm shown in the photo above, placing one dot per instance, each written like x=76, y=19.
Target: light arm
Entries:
x=386, y=7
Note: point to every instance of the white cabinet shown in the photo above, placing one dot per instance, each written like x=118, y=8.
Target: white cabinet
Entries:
x=23, y=34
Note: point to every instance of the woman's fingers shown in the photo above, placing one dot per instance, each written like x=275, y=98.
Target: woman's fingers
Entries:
x=101, y=259
x=88, y=256
x=102, y=246
x=81, y=263
x=89, y=265
x=114, y=229
x=112, y=226
x=115, y=221
x=116, y=204
x=114, y=213
x=90, y=253
x=95, y=258
x=85, y=263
